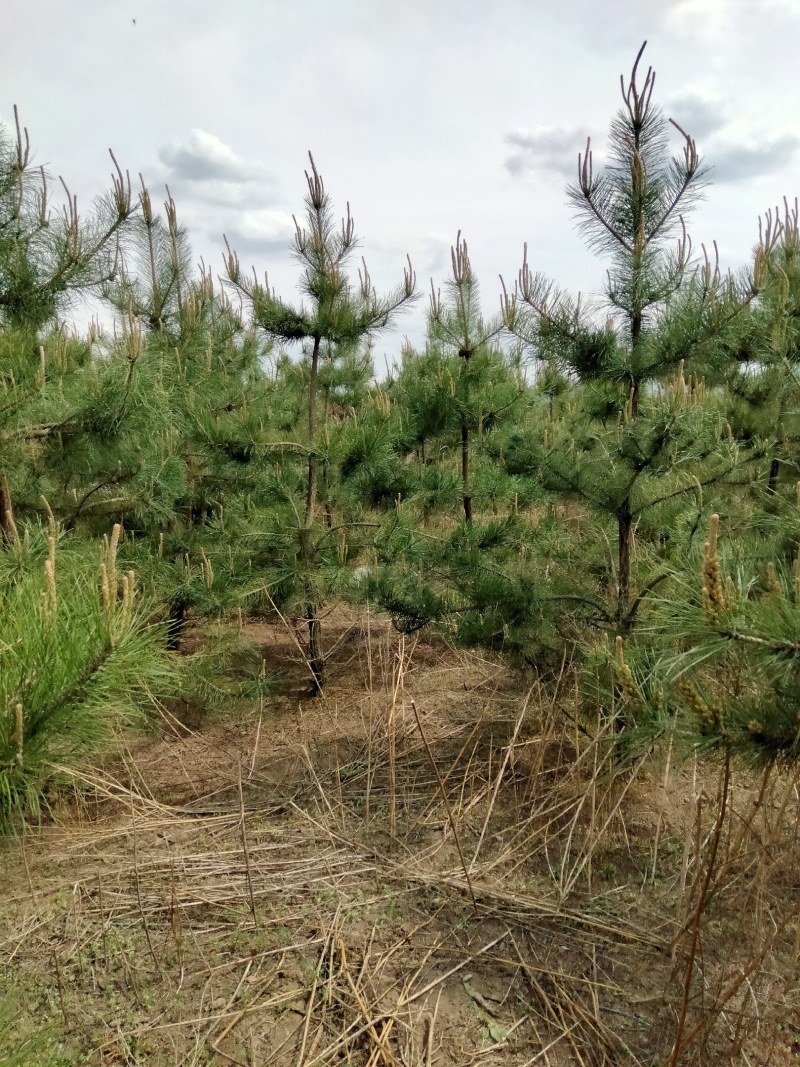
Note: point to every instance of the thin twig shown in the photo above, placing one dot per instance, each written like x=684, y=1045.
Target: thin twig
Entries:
x=246, y=850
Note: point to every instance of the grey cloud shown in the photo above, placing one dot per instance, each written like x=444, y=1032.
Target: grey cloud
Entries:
x=258, y=233
x=431, y=255
x=218, y=191
x=739, y=163
x=202, y=157
x=235, y=196
x=551, y=148
x=702, y=115
x=698, y=114
x=260, y=251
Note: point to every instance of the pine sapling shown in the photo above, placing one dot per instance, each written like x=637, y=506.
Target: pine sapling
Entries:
x=337, y=314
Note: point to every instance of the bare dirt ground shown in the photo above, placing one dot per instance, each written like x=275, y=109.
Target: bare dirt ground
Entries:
x=434, y=865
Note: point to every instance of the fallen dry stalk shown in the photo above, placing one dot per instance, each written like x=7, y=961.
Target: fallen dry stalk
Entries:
x=499, y=778
x=446, y=803
x=403, y=1002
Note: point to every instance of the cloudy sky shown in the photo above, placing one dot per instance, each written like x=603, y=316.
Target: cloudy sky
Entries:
x=429, y=116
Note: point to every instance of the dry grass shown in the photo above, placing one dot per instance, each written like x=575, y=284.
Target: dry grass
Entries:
x=431, y=865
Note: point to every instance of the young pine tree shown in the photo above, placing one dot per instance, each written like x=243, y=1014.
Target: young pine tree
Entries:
x=47, y=258
x=763, y=376
x=457, y=326
x=335, y=315
x=477, y=569
x=78, y=658
x=205, y=371
x=630, y=446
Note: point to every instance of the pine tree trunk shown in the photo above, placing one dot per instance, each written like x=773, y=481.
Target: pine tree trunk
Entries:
x=465, y=471
x=176, y=623
x=624, y=516
x=7, y=528
x=775, y=465
x=636, y=336
x=311, y=485
x=315, y=658
x=772, y=480
x=625, y=537
x=634, y=400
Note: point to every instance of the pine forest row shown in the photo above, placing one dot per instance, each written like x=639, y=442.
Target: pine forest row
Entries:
x=611, y=488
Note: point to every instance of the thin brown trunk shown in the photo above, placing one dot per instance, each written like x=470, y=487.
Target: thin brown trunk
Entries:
x=465, y=471
x=311, y=486
x=772, y=480
x=315, y=658
x=636, y=334
x=625, y=527
x=775, y=465
x=176, y=624
x=624, y=516
x=7, y=528
x=634, y=400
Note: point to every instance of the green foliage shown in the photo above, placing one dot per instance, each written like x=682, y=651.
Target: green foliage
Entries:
x=47, y=256
x=21, y=1048
x=536, y=482
x=225, y=673
x=78, y=659
x=738, y=673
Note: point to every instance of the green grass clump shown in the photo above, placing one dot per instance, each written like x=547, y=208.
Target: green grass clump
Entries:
x=78, y=658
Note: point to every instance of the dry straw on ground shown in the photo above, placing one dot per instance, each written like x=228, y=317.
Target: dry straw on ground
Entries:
x=434, y=864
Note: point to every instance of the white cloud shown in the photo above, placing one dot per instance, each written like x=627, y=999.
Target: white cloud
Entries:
x=262, y=228
x=693, y=18
x=221, y=192
x=722, y=21
x=783, y=7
